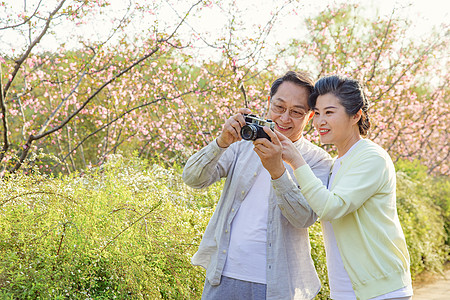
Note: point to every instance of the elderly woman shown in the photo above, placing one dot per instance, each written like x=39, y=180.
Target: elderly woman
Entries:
x=367, y=256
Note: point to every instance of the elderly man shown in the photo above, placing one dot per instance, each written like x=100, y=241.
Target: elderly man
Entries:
x=256, y=245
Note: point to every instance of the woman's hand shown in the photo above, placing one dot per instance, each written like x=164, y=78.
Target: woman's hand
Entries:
x=231, y=131
x=290, y=154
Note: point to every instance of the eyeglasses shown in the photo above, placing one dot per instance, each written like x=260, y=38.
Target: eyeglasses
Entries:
x=295, y=113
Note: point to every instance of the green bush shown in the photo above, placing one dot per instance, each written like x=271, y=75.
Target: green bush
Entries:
x=423, y=206
x=319, y=259
x=125, y=231
x=129, y=229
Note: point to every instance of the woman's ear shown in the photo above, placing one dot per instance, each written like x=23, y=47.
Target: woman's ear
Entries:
x=357, y=116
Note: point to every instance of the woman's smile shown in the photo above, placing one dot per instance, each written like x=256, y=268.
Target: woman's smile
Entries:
x=323, y=131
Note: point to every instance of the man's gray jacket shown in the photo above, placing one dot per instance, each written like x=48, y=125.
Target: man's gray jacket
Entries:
x=290, y=269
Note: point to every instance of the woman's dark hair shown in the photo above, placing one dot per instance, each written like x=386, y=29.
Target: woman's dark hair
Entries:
x=350, y=94
x=299, y=78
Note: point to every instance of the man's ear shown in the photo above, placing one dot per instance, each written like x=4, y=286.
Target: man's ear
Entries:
x=311, y=115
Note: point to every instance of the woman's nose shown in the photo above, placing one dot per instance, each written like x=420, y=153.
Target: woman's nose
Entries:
x=318, y=120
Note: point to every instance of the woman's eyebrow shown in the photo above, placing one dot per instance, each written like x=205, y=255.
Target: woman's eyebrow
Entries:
x=328, y=107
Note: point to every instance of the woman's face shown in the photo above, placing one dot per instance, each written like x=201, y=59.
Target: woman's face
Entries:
x=333, y=123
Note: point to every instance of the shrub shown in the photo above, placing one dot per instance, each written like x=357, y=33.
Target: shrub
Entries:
x=423, y=211
x=319, y=258
x=125, y=231
x=129, y=229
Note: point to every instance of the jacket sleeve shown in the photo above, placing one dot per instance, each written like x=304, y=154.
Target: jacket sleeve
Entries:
x=360, y=182
x=208, y=165
x=291, y=202
x=290, y=199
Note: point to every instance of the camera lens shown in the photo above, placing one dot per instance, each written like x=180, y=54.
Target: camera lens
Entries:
x=249, y=132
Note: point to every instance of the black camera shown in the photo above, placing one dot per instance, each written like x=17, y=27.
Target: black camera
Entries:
x=253, y=129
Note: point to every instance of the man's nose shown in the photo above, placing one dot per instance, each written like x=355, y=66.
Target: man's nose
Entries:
x=285, y=116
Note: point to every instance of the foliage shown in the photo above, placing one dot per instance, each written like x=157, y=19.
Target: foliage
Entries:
x=405, y=78
x=146, y=92
x=159, y=93
x=319, y=258
x=424, y=211
x=128, y=229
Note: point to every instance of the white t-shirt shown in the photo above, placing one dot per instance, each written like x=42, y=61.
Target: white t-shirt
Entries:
x=246, y=259
x=340, y=284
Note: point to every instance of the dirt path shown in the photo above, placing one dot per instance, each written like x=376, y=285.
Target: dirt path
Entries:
x=436, y=287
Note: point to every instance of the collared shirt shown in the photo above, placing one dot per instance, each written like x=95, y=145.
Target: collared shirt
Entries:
x=290, y=269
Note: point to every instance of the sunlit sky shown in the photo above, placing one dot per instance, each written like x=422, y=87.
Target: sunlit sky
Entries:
x=424, y=14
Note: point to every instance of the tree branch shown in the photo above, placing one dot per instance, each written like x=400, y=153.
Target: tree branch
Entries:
x=381, y=47
x=42, y=134
x=24, y=21
x=4, y=118
x=21, y=60
x=53, y=114
x=31, y=138
x=69, y=118
x=410, y=66
x=114, y=120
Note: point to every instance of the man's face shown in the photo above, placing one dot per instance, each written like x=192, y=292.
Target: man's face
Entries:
x=289, y=110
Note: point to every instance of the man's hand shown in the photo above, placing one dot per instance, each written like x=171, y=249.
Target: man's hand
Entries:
x=290, y=154
x=231, y=131
x=270, y=153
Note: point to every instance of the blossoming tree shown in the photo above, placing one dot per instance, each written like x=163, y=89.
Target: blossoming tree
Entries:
x=161, y=94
